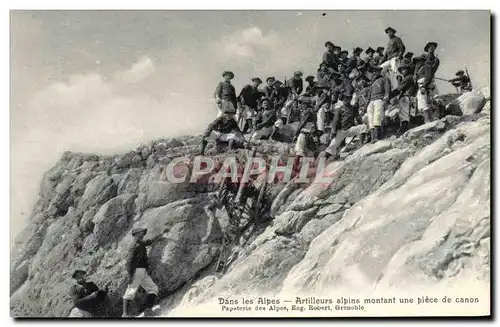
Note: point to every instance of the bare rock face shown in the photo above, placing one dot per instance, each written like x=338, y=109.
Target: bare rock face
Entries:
x=402, y=211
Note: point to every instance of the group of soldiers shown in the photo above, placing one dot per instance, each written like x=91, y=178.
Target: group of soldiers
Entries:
x=349, y=96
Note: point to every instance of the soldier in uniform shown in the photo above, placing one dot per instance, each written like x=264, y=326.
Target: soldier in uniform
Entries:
x=461, y=82
x=225, y=94
x=248, y=103
x=89, y=301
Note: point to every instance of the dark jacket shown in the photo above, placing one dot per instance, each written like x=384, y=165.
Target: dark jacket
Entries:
x=345, y=117
x=223, y=124
x=395, y=47
x=226, y=91
x=279, y=96
x=380, y=88
x=296, y=85
x=408, y=86
x=87, y=296
x=430, y=67
x=249, y=96
x=330, y=59
x=266, y=118
x=267, y=91
x=138, y=255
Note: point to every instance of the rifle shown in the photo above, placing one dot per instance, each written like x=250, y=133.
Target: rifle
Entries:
x=470, y=81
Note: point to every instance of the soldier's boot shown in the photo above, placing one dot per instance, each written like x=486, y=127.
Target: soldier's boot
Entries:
x=230, y=145
x=402, y=129
x=427, y=116
x=296, y=166
x=362, y=138
x=272, y=133
x=374, y=136
x=380, y=132
x=126, y=308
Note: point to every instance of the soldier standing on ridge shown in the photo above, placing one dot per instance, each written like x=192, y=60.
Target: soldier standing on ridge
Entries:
x=225, y=94
x=329, y=56
x=393, y=55
x=137, y=265
x=87, y=297
x=380, y=90
x=249, y=100
x=425, y=80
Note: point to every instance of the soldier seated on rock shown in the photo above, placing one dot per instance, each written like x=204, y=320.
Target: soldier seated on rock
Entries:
x=137, y=265
x=266, y=122
x=88, y=299
x=225, y=129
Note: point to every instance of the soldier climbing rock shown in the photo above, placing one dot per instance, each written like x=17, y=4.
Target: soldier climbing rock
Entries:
x=137, y=266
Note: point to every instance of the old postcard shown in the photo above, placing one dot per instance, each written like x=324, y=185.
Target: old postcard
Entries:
x=290, y=163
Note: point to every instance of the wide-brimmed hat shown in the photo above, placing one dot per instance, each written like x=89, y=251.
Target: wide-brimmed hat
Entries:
x=270, y=78
x=329, y=43
x=389, y=29
x=418, y=58
x=357, y=49
x=408, y=55
x=369, y=50
x=336, y=47
x=297, y=73
x=227, y=72
x=429, y=44
x=344, y=51
x=403, y=67
x=139, y=230
x=309, y=78
x=460, y=73
x=257, y=79
x=380, y=49
x=78, y=271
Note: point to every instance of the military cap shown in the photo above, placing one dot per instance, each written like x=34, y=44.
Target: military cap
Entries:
x=432, y=43
x=78, y=271
x=403, y=66
x=227, y=72
x=408, y=55
x=389, y=29
x=369, y=50
x=460, y=73
x=256, y=79
x=309, y=78
x=336, y=47
x=297, y=73
x=357, y=49
x=344, y=51
x=380, y=49
x=139, y=230
x=270, y=78
x=329, y=43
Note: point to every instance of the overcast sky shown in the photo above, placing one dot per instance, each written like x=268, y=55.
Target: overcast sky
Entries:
x=103, y=81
